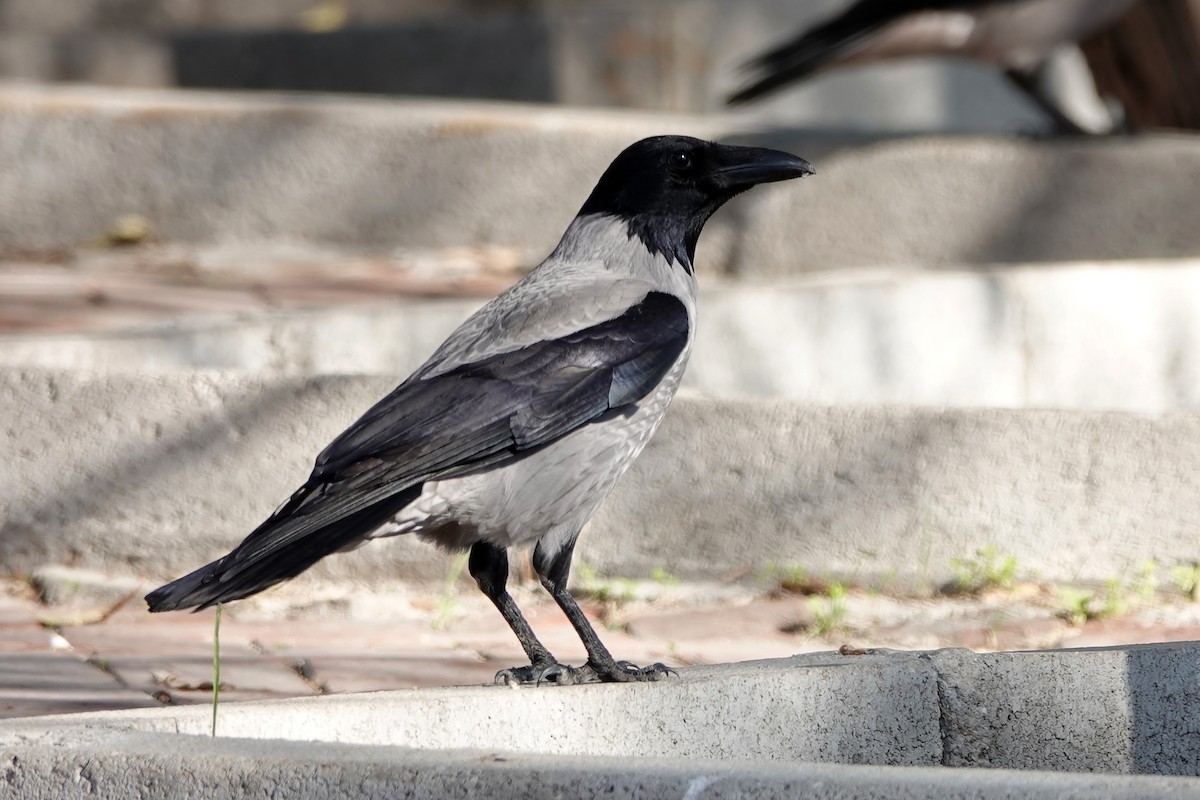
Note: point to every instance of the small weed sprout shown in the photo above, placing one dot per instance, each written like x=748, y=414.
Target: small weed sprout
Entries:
x=1083, y=605
x=216, y=679
x=828, y=610
x=1114, y=602
x=602, y=590
x=1145, y=582
x=767, y=574
x=989, y=568
x=785, y=577
x=664, y=578
x=1077, y=603
x=1187, y=578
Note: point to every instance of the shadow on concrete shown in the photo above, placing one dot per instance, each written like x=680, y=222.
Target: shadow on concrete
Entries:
x=857, y=478
x=489, y=57
x=62, y=525
x=1019, y=200
x=1165, y=712
x=1074, y=193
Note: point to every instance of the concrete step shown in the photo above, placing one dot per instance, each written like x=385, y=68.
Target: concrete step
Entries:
x=155, y=474
x=213, y=168
x=1122, y=336
x=1084, y=723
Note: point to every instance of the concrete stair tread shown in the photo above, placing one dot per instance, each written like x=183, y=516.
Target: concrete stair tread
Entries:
x=1006, y=336
x=1086, y=723
x=106, y=153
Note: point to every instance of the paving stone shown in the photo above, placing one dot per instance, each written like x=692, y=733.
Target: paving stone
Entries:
x=12, y=609
x=1100, y=633
x=188, y=679
x=290, y=638
x=19, y=630
x=170, y=656
x=762, y=618
x=394, y=671
x=980, y=633
x=24, y=638
x=118, y=289
x=58, y=683
x=727, y=651
x=181, y=634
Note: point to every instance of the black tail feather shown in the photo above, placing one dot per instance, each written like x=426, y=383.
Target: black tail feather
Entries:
x=250, y=567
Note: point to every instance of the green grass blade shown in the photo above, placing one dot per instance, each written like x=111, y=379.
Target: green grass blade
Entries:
x=216, y=681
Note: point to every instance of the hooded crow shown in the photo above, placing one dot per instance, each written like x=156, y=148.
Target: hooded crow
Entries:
x=1019, y=36
x=520, y=424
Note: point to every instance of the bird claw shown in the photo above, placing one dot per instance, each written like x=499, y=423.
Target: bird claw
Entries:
x=628, y=672
x=560, y=675
x=514, y=676
x=566, y=675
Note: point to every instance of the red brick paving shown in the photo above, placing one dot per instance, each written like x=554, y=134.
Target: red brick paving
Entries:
x=114, y=289
x=135, y=659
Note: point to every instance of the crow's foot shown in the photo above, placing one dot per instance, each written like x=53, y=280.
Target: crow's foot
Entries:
x=553, y=673
x=566, y=675
x=625, y=672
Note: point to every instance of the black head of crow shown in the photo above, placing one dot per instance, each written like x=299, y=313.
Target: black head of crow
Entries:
x=667, y=187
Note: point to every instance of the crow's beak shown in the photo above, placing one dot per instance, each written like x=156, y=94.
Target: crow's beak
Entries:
x=743, y=167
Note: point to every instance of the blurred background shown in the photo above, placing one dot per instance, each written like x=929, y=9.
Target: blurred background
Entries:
x=944, y=392
x=663, y=55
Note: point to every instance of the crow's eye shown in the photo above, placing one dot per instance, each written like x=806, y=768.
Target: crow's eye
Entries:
x=680, y=160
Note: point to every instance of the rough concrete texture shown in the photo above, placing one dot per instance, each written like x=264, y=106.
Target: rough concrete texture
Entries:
x=1135, y=708
x=128, y=766
x=375, y=174
x=1114, y=711
x=1094, y=336
x=855, y=710
x=154, y=474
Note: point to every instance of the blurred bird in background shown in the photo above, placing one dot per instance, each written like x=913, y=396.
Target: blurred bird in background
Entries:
x=1021, y=37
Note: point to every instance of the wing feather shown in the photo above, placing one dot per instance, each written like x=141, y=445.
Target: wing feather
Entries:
x=476, y=416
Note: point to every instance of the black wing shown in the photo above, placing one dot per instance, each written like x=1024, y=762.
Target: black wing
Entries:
x=806, y=53
x=477, y=415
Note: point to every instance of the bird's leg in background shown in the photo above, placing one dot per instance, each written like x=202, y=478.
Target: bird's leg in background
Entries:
x=1028, y=83
x=489, y=567
x=1063, y=87
x=553, y=569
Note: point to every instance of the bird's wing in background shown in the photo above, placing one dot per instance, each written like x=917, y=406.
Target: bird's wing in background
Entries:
x=475, y=416
x=892, y=28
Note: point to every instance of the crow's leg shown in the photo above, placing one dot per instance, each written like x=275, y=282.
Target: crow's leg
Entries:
x=1063, y=87
x=489, y=567
x=553, y=569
